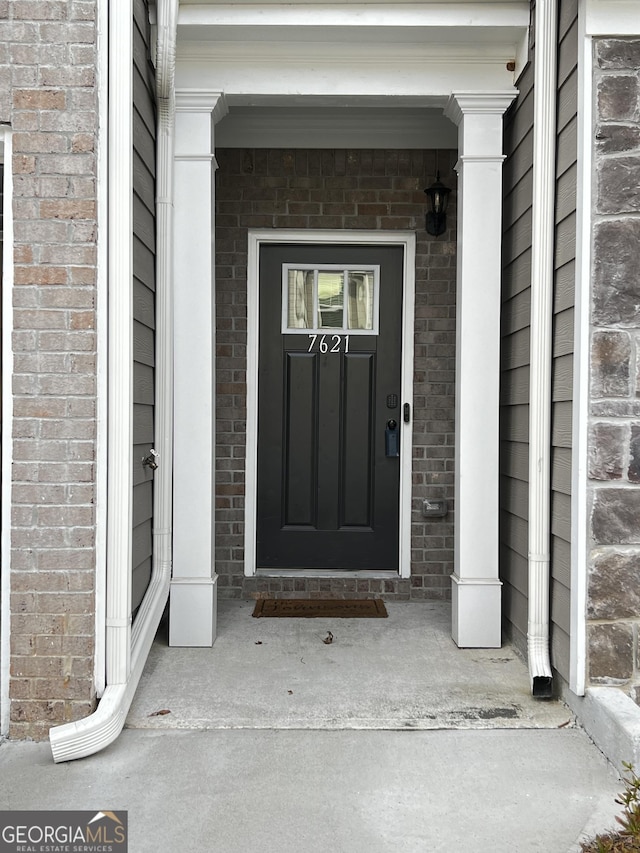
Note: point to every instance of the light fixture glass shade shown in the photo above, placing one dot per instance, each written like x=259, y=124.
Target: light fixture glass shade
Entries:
x=438, y=197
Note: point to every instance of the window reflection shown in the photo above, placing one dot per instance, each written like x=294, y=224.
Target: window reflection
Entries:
x=331, y=299
x=360, y=304
x=301, y=310
x=338, y=299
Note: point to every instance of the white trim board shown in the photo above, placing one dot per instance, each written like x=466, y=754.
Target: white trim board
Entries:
x=611, y=17
x=7, y=420
x=102, y=337
x=391, y=238
x=581, y=372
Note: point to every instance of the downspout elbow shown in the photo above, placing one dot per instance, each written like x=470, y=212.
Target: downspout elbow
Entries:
x=95, y=732
x=540, y=670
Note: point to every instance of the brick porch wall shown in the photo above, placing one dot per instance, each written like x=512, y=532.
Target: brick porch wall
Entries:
x=614, y=464
x=48, y=96
x=338, y=189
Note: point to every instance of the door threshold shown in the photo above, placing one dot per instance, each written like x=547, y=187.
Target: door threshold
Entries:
x=358, y=574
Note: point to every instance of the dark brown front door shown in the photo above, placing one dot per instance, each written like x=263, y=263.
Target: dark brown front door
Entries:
x=329, y=407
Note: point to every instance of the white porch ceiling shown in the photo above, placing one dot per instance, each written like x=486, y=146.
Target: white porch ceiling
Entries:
x=301, y=65
x=335, y=127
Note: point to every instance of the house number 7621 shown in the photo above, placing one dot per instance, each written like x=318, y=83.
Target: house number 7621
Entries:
x=328, y=343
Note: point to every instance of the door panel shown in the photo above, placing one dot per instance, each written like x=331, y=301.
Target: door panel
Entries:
x=300, y=482
x=357, y=440
x=328, y=495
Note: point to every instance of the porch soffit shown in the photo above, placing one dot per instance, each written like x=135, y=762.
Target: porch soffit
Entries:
x=337, y=127
x=411, y=49
x=346, y=73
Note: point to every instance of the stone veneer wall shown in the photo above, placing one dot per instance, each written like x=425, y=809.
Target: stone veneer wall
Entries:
x=614, y=464
x=48, y=97
x=338, y=189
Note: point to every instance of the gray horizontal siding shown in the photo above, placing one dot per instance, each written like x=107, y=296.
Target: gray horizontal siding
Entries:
x=514, y=359
x=563, y=333
x=143, y=296
x=514, y=426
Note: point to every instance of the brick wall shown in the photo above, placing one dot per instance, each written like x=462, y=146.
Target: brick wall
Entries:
x=48, y=97
x=614, y=463
x=338, y=189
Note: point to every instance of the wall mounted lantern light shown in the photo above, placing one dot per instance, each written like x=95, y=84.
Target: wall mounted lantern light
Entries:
x=438, y=196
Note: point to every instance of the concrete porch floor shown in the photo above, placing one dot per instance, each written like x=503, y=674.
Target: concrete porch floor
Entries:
x=404, y=672
x=195, y=779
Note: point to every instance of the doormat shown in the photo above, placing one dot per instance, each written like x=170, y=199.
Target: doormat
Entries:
x=355, y=608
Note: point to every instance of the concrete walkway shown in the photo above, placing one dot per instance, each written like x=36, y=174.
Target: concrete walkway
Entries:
x=387, y=739
x=246, y=791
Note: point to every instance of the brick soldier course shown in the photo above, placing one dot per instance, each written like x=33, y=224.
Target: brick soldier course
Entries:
x=48, y=96
x=338, y=189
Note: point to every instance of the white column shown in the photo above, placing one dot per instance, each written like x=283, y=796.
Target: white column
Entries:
x=192, y=607
x=476, y=587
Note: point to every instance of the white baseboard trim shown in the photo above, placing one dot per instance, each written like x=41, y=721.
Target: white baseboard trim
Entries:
x=476, y=612
x=193, y=605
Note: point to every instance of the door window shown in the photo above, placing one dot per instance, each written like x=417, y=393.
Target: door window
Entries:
x=330, y=297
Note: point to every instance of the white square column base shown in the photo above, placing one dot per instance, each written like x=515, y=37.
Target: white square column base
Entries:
x=476, y=612
x=193, y=611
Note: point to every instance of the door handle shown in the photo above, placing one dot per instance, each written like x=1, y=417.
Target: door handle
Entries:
x=391, y=439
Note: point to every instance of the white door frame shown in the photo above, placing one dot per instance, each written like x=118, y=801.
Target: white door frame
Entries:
x=386, y=238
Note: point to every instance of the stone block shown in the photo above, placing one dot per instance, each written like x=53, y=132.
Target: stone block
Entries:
x=618, y=185
x=615, y=519
x=617, y=96
x=633, y=472
x=610, y=653
x=618, y=53
x=610, y=364
x=617, y=138
x=614, y=586
x=616, y=286
x=606, y=451
x=615, y=408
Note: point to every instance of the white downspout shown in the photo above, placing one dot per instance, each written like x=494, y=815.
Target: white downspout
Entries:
x=127, y=649
x=544, y=142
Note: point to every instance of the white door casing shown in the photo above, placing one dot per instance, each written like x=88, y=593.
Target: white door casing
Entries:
x=256, y=240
